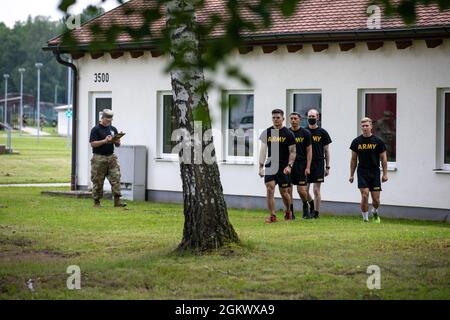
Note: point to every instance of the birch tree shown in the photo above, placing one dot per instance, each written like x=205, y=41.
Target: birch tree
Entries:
x=206, y=224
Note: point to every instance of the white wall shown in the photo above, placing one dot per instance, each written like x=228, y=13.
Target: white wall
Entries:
x=416, y=73
x=63, y=123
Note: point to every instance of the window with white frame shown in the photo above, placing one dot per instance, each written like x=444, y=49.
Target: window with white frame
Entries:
x=100, y=101
x=443, y=138
x=302, y=101
x=381, y=107
x=166, y=125
x=447, y=130
x=239, y=125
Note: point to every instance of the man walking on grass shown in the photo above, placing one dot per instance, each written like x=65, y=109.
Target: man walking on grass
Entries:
x=320, y=163
x=367, y=150
x=278, y=143
x=302, y=164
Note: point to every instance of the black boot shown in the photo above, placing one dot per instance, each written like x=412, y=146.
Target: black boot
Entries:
x=117, y=202
x=316, y=214
x=311, y=208
x=306, y=214
x=292, y=211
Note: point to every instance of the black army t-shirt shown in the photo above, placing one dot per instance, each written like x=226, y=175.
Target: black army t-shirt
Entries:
x=278, y=140
x=319, y=139
x=100, y=132
x=302, y=141
x=368, y=150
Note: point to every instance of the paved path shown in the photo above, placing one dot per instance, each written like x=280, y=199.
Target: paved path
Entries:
x=36, y=185
x=34, y=131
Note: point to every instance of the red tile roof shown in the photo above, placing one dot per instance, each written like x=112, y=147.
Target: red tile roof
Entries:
x=311, y=16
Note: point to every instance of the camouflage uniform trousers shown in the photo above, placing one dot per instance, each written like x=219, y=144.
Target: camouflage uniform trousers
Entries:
x=101, y=167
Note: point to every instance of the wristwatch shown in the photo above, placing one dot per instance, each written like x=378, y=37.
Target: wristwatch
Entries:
x=290, y=165
x=327, y=167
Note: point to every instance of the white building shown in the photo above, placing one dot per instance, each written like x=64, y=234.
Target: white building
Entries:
x=64, y=121
x=399, y=76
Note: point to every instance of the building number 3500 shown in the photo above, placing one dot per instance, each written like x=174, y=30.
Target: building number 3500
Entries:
x=101, y=77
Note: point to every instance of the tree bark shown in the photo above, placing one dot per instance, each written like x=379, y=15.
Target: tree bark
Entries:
x=206, y=224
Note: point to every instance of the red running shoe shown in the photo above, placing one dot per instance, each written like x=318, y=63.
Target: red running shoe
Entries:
x=288, y=215
x=271, y=219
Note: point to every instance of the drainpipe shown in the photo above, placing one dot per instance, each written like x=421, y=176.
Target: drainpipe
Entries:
x=73, y=174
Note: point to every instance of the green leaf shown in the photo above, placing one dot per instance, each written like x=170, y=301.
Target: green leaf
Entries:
x=407, y=10
x=443, y=4
x=151, y=15
x=288, y=7
x=65, y=4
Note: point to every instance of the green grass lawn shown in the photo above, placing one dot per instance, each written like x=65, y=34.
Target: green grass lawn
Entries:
x=51, y=130
x=46, y=160
x=129, y=254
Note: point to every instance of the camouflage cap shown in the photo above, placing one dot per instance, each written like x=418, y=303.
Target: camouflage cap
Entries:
x=107, y=113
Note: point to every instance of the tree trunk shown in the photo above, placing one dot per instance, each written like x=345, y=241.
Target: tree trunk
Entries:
x=206, y=224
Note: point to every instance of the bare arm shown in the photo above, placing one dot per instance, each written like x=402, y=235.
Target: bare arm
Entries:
x=327, y=159
x=384, y=166
x=262, y=158
x=353, y=162
x=308, y=156
x=99, y=143
x=292, y=155
x=308, y=159
x=262, y=154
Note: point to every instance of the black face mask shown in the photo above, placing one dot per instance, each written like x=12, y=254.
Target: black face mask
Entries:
x=312, y=121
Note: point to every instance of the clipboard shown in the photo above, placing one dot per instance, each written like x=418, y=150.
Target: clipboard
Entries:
x=117, y=137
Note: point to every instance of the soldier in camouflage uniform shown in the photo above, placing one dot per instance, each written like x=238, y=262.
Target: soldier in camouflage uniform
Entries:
x=104, y=163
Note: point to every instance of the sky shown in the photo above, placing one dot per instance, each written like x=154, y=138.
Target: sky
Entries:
x=18, y=10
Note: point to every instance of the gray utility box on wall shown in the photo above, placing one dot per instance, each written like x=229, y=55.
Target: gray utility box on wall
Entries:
x=133, y=169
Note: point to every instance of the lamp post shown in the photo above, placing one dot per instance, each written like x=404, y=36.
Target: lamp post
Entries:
x=56, y=94
x=38, y=66
x=6, y=76
x=21, y=70
x=69, y=104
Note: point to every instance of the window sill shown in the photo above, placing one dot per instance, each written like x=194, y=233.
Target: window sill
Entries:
x=441, y=171
x=238, y=162
x=168, y=159
x=391, y=167
x=229, y=162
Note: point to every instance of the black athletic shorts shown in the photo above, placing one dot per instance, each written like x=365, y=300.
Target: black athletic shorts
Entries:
x=317, y=171
x=369, y=178
x=281, y=179
x=298, y=173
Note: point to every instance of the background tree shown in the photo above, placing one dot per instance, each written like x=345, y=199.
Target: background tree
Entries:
x=22, y=48
x=407, y=9
x=91, y=12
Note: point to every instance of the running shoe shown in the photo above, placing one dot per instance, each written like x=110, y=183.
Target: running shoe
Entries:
x=271, y=219
x=287, y=215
